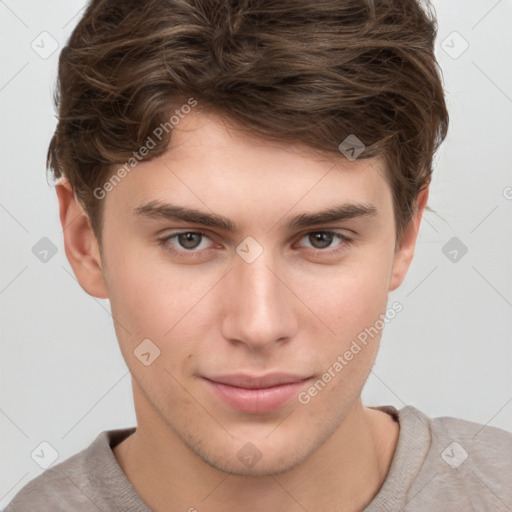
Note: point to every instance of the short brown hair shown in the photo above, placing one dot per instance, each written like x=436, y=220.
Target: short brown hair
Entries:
x=304, y=71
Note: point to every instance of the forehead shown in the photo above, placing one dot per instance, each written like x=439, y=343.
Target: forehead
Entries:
x=213, y=164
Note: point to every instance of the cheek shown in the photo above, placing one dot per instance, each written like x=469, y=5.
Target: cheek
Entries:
x=160, y=302
x=347, y=299
x=352, y=308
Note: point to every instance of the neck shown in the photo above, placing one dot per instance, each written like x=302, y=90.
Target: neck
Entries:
x=343, y=474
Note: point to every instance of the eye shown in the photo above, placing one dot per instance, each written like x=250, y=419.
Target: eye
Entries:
x=186, y=241
x=189, y=243
x=322, y=240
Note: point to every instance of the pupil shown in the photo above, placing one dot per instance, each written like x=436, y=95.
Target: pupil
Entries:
x=187, y=240
x=324, y=239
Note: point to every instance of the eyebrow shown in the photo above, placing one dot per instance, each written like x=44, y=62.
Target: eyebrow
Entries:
x=171, y=212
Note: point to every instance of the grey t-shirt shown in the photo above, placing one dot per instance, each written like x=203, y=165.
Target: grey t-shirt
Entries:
x=440, y=464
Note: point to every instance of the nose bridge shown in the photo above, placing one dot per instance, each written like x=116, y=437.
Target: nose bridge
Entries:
x=258, y=308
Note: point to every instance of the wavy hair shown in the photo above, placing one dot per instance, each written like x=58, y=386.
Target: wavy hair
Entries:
x=303, y=71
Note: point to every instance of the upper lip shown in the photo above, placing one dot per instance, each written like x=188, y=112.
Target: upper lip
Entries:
x=243, y=380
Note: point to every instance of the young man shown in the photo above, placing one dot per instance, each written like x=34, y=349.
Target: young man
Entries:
x=244, y=181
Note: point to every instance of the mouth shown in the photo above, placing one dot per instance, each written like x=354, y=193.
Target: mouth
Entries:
x=256, y=394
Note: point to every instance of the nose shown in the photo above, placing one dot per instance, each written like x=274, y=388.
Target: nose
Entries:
x=258, y=305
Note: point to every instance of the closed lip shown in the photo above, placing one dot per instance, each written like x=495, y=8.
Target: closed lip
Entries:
x=241, y=380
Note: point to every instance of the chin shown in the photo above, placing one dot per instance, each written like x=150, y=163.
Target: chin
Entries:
x=271, y=465
x=272, y=452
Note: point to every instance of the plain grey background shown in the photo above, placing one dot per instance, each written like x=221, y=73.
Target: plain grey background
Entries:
x=449, y=351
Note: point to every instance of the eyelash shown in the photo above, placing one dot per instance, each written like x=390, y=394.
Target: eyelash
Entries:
x=164, y=242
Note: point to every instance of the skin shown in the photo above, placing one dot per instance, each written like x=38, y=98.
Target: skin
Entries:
x=290, y=310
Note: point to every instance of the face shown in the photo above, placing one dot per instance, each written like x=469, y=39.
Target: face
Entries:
x=261, y=297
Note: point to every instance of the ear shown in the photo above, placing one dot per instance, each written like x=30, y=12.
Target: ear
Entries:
x=404, y=255
x=80, y=243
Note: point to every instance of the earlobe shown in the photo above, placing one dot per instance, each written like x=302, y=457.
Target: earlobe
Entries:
x=80, y=243
x=403, y=256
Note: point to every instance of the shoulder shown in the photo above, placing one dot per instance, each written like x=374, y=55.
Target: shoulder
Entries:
x=466, y=464
x=57, y=488
x=81, y=482
x=484, y=444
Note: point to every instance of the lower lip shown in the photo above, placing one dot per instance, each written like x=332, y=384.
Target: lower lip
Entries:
x=256, y=401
